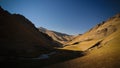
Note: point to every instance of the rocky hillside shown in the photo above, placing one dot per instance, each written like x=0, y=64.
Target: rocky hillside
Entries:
x=57, y=36
x=20, y=38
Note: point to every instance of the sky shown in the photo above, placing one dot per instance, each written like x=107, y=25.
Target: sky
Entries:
x=66, y=16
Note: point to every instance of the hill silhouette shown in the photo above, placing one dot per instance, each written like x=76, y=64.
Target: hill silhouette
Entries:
x=20, y=38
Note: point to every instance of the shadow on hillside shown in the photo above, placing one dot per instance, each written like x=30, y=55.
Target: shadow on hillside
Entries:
x=57, y=57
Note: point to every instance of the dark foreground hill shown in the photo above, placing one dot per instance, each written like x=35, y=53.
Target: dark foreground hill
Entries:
x=20, y=38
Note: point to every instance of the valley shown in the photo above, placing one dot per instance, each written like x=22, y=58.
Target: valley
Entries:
x=25, y=46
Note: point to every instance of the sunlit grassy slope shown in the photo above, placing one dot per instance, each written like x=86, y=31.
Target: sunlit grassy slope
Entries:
x=107, y=56
x=94, y=35
x=82, y=46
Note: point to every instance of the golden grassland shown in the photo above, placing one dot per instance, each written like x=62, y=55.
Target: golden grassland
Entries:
x=108, y=56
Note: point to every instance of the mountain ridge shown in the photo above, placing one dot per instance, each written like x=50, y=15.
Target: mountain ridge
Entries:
x=95, y=34
x=57, y=36
x=20, y=38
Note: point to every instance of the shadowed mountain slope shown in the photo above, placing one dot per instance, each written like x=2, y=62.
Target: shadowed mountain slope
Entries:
x=19, y=37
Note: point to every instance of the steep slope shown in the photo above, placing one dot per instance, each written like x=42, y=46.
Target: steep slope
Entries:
x=57, y=36
x=20, y=38
x=95, y=35
x=105, y=56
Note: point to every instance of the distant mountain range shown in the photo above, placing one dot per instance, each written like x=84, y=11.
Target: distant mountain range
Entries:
x=57, y=36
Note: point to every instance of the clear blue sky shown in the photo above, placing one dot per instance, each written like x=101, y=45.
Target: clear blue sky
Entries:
x=66, y=16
